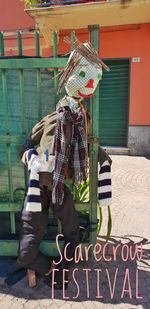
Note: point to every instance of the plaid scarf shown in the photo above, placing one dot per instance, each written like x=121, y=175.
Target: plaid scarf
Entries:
x=78, y=152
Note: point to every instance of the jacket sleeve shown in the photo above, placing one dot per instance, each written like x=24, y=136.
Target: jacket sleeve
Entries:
x=33, y=137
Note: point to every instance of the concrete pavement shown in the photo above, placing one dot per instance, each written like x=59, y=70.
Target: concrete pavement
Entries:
x=124, y=282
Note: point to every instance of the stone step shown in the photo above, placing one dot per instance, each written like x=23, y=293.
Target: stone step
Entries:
x=114, y=150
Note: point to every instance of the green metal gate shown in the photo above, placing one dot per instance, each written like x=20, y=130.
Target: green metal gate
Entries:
x=114, y=103
x=27, y=92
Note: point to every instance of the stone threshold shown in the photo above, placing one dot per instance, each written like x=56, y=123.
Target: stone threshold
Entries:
x=114, y=150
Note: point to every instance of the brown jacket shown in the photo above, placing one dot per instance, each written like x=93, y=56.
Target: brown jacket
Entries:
x=42, y=134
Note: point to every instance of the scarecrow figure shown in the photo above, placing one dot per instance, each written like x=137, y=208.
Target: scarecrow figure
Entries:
x=61, y=153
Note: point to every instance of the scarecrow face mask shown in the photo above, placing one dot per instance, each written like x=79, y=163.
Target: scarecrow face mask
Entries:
x=82, y=72
x=84, y=79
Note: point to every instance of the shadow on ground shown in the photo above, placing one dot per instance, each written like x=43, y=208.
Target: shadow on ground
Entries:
x=119, y=281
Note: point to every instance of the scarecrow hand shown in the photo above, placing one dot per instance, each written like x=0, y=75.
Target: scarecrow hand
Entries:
x=35, y=165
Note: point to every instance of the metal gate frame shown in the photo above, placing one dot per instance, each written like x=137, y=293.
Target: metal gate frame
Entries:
x=9, y=247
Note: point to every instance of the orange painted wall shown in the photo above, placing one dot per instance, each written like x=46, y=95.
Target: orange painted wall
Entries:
x=13, y=17
x=133, y=43
x=116, y=42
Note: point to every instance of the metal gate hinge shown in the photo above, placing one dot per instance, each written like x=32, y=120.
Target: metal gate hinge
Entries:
x=94, y=139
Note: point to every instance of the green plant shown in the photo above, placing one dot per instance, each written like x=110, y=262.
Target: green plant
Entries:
x=30, y=3
x=81, y=192
x=81, y=195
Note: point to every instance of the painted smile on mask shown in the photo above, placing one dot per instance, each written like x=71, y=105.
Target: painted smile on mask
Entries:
x=89, y=85
x=85, y=96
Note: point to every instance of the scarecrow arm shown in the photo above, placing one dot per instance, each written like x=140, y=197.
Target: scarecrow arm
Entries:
x=104, y=178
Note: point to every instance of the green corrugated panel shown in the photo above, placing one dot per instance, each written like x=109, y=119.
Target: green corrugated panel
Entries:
x=114, y=102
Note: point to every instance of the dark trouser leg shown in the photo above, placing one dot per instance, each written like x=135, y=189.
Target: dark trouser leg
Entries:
x=32, y=230
x=69, y=222
x=67, y=215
